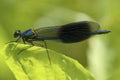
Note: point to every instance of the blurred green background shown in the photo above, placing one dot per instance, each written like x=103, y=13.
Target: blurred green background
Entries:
x=99, y=54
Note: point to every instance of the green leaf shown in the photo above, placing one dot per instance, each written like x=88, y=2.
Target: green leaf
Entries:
x=27, y=62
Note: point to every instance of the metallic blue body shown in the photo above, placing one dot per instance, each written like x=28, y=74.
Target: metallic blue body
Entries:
x=100, y=32
x=30, y=35
x=69, y=33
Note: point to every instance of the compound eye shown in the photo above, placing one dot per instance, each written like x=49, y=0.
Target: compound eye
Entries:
x=17, y=33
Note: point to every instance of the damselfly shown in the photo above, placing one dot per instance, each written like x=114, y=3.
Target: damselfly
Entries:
x=68, y=33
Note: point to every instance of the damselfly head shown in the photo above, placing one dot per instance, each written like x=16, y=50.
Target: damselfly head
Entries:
x=17, y=33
